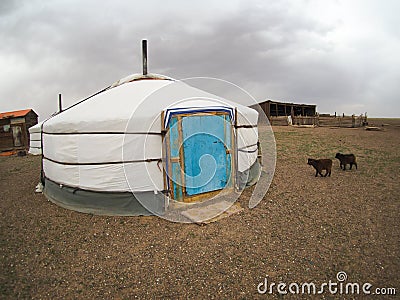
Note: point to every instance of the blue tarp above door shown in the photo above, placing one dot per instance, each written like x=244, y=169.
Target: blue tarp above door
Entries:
x=170, y=112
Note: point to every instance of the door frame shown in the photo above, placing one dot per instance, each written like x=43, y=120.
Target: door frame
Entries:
x=23, y=138
x=168, y=160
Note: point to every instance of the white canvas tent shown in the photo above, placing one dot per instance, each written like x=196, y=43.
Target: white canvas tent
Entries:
x=117, y=147
x=35, y=140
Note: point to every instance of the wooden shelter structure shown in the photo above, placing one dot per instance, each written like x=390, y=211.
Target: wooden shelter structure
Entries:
x=278, y=112
x=273, y=108
x=14, y=125
x=284, y=113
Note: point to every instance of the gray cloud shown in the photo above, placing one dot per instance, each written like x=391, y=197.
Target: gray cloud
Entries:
x=273, y=52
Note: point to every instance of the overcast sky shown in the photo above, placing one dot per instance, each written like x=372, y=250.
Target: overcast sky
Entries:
x=343, y=56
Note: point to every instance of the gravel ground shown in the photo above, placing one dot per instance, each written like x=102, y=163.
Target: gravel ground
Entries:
x=306, y=229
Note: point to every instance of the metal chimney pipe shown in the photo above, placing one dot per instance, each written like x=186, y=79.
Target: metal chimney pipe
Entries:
x=59, y=103
x=144, y=54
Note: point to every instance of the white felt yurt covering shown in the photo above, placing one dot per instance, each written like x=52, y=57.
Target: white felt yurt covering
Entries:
x=35, y=139
x=85, y=146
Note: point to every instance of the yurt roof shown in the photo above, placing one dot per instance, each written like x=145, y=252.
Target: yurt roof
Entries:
x=36, y=128
x=144, y=97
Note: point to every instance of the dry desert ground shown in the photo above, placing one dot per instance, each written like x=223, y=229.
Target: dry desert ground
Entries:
x=306, y=229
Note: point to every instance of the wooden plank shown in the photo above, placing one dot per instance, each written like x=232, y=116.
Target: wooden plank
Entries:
x=235, y=143
x=233, y=153
x=175, y=159
x=208, y=195
x=164, y=154
x=182, y=162
x=170, y=181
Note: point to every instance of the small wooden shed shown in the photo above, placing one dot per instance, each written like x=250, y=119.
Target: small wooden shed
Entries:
x=14, y=125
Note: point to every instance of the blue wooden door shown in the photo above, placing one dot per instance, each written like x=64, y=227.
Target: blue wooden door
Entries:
x=203, y=144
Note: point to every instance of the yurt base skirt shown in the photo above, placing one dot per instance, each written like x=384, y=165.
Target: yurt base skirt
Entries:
x=123, y=203
x=105, y=203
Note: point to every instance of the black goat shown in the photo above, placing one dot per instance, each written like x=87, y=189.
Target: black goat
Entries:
x=346, y=159
x=321, y=164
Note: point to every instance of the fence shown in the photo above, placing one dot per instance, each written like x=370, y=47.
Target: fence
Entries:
x=322, y=121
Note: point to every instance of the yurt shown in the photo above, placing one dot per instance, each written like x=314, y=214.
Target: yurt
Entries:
x=145, y=141
x=35, y=140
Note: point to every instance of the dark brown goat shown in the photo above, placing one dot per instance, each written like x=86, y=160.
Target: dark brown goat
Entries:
x=346, y=159
x=321, y=164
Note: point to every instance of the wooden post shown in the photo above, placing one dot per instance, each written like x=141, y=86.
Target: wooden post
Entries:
x=164, y=154
x=181, y=159
x=236, y=152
